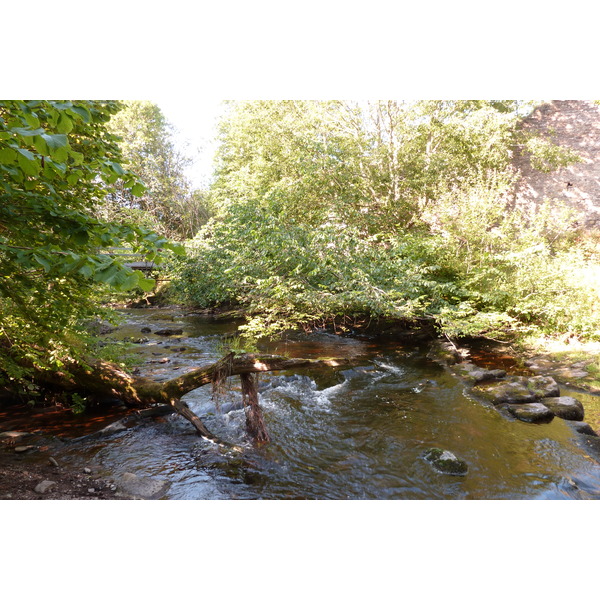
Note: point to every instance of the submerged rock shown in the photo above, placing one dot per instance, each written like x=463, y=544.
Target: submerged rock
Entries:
x=143, y=488
x=446, y=462
x=534, y=412
x=566, y=407
x=169, y=331
x=583, y=427
x=444, y=353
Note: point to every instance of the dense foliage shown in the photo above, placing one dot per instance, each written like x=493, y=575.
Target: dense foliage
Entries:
x=336, y=209
x=57, y=161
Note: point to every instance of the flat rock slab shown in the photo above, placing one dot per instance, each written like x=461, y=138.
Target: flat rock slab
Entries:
x=519, y=390
x=446, y=462
x=477, y=374
x=565, y=407
x=144, y=488
x=533, y=412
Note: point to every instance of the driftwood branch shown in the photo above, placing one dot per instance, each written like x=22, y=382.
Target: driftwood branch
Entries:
x=102, y=378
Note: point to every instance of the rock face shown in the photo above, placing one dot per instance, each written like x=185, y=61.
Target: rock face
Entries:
x=574, y=124
x=446, y=462
x=565, y=407
x=534, y=412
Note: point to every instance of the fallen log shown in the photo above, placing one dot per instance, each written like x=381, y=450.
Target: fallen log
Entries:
x=101, y=378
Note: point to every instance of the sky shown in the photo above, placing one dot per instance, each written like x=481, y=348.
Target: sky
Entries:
x=194, y=132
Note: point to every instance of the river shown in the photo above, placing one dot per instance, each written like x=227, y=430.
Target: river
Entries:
x=355, y=432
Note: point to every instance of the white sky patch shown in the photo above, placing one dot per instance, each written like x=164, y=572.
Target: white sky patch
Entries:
x=195, y=123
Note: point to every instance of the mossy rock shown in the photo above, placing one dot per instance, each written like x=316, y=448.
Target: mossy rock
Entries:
x=446, y=462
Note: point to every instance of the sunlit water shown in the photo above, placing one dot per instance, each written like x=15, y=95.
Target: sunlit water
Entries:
x=355, y=432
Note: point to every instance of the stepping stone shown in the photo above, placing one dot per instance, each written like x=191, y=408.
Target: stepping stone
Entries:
x=565, y=407
x=533, y=412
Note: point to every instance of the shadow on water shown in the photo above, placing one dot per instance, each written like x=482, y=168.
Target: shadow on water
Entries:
x=355, y=432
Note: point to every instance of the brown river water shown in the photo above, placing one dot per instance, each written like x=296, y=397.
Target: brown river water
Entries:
x=356, y=432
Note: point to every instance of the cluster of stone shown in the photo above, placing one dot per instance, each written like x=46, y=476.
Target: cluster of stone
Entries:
x=535, y=399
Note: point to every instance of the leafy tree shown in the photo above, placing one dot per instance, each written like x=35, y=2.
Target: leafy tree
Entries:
x=330, y=209
x=148, y=149
x=57, y=161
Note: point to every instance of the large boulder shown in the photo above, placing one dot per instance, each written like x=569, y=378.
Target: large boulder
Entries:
x=446, y=462
x=532, y=412
x=565, y=407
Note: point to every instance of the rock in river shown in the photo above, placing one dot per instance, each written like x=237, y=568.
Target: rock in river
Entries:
x=143, y=488
x=446, y=462
x=169, y=331
x=520, y=390
x=533, y=412
x=565, y=407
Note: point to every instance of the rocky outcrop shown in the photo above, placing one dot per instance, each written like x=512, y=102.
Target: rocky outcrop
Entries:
x=574, y=125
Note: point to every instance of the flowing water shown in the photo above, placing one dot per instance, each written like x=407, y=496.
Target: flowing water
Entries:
x=356, y=432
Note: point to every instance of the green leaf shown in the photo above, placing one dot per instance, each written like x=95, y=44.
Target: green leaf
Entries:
x=40, y=145
x=138, y=190
x=64, y=125
x=54, y=141
x=117, y=168
x=59, y=154
x=62, y=105
x=147, y=285
x=26, y=132
x=29, y=166
x=26, y=153
x=82, y=113
x=42, y=261
x=77, y=158
x=7, y=156
x=32, y=120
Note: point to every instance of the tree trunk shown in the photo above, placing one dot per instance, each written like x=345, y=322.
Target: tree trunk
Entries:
x=100, y=378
